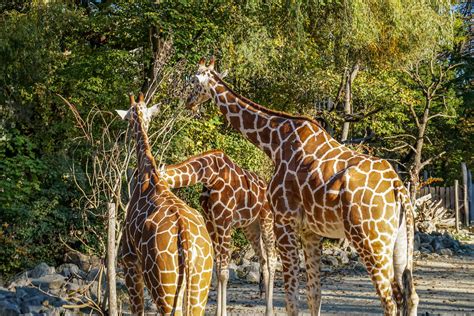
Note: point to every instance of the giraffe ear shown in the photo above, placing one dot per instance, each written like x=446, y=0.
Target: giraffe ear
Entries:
x=124, y=115
x=211, y=63
x=154, y=110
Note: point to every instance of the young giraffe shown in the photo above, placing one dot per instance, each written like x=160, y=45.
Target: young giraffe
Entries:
x=165, y=244
x=232, y=198
x=322, y=188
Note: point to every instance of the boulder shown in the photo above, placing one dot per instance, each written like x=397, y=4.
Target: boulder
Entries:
x=8, y=308
x=446, y=252
x=70, y=270
x=253, y=273
x=84, y=262
x=41, y=270
x=330, y=261
x=49, y=282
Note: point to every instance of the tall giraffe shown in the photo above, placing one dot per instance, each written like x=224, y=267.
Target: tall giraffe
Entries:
x=232, y=198
x=322, y=188
x=165, y=244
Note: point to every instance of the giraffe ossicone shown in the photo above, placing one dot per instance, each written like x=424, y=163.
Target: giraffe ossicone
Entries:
x=232, y=198
x=165, y=243
x=322, y=188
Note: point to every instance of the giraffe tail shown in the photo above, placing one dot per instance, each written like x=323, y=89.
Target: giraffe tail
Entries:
x=186, y=252
x=410, y=298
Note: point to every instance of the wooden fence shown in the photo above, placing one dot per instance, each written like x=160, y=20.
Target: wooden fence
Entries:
x=463, y=207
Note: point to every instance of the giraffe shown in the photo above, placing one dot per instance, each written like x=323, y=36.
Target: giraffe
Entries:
x=165, y=244
x=232, y=198
x=320, y=188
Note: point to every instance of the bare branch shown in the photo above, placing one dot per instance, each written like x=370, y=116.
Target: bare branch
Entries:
x=440, y=115
x=428, y=161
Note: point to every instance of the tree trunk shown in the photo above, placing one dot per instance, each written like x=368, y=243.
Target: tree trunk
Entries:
x=348, y=98
x=111, y=283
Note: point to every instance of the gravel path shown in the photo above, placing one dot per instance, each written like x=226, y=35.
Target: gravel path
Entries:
x=445, y=286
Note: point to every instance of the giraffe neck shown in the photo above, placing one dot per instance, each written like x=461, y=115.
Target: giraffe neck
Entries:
x=146, y=165
x=199, y=169
x=265, y=128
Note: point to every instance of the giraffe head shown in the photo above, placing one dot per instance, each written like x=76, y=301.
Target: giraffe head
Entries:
x=201, y=91
x=137, y=109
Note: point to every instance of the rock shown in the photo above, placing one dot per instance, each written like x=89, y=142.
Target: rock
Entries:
x=250, y=254
x=425, y=238
x=93, y=275
x=253, y=273
x=330, y=261
x=8, y=308
x=49, y=282
x=417, y=242
x=21, y=279
x=437, y=244
x=242, y=270
x=41, y=270
x=85, y=263
x=344, y=257
x=23, y=293
x=233, y=272
x=426, y=250
x=446, y=252
x=70, y=270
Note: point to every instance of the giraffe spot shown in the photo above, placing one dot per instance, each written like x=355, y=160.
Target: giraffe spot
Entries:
x=322, y=149
x=247, y=117
x=222, y=99
x=219, y=89
x=365, y=166
x=235, y=121
x=383, y=186
x=265, y=135
x=304, y=133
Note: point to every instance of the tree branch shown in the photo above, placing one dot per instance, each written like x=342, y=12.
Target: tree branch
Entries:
x=428, y=161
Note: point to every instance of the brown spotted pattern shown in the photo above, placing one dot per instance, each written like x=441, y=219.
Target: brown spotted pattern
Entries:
x=232, y=198
x=165, y=244
x=322, y=188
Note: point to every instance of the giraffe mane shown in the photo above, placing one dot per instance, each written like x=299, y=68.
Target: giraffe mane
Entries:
x=148, y=153
x=263, y=109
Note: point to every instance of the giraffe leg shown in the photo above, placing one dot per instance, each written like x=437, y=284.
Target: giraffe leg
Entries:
x=135, y=285
x=312, y=255
x=268, y=239
x=379, y=264
x=222, y=265
x=287, y=244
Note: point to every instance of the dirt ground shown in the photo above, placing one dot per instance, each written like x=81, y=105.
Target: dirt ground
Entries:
x=445, y=286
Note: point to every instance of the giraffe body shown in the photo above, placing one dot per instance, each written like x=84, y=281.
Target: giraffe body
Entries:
x=232, y=198
x=165, y=244
x=322, y=188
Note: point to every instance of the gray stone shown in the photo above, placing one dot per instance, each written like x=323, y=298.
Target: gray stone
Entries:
x=253, y=274
x=446, y=252
x=344, y=257
x=8, y=308
x=24, y=292
x=233, y=272
x=426, y=250
x=41, y=270
x=425, y=238
x=93, y=275
x=19, y=280
x=29, y=307
x=70, y=270
x=437, y=244
x=49, y=282
x=330, y=261
x=85, y=263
